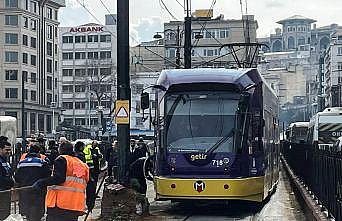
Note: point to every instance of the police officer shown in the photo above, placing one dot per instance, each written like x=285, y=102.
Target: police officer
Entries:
x=29, y=170
x=6, y=180
x=66, y=195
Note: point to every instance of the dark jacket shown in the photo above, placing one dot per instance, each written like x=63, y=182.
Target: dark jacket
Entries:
x=6, y=179
x=112, y=157
x=29, y=170
x=80, y=155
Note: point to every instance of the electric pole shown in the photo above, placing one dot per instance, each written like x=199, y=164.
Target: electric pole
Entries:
x=123, y=86
x=187, y=35
x=23, y=123
x=177, y=50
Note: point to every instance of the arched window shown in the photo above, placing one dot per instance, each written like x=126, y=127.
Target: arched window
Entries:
x=277, y=46
x=291, y=43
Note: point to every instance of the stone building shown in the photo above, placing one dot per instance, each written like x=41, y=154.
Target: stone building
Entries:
x=29, y=60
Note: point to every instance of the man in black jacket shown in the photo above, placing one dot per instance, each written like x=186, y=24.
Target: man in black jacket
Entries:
x=6, y=180
x=31, y=169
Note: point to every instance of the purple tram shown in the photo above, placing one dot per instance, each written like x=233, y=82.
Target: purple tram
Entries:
x=216, y=134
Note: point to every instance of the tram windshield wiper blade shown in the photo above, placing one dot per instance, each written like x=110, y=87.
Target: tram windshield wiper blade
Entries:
x=219, y=142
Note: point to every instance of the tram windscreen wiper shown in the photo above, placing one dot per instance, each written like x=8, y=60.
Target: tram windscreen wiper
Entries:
x=220, y=141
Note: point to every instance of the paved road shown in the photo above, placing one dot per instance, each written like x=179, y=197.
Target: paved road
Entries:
x=281, y=206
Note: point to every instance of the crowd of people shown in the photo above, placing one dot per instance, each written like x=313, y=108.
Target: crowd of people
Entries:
x=61, y=180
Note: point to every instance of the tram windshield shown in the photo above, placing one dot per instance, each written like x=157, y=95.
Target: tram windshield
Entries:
x=195, y=121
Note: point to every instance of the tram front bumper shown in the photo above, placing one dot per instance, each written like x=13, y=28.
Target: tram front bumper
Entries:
x=250, y=189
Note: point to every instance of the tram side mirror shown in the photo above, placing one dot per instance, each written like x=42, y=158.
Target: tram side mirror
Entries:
x=145, y=100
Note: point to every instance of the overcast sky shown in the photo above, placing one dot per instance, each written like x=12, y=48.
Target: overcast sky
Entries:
x=147, y=16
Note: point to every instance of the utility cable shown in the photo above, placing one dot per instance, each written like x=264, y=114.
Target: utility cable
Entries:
x=168, y=11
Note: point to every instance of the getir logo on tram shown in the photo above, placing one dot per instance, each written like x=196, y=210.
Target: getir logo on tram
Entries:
x=200, y=156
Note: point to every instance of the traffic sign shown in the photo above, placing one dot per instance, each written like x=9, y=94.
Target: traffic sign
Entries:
x=122, y=112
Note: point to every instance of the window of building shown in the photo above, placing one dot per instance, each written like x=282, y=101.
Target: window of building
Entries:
x=11, y=20
x=11, y=56
x=25, y=22
x=139, y=121
x=48, y=99
x=25, y=40
x=339, y=66
x=33, y=77
x=25, y=94
x=33, y=122
x=80, y=72
x=210, y=33
x=80, y=39
x=80, y=55
x=339, y=51
x=93, y=38
x=68, y=88
x=11, y=38
x=80, y=105
x=80, y=88
x=25, y=58
x=94, y=121
x=33, y=95
x=26, y=4
x=105, y=38
x=80, y=121
x=49, y=48
x=49, y=29
x=33, y=60
x=105, y=71
x=11, y=75
x=93, y=71
x=11, y=3
x=137, y=106
x=68, y=105
x=170, y=52
x=56, y=65
x=49, y=65
x=105, y=54
x=210, y=52
x=11, y=114
x=68, y=39
x=24, y=73
x=33, y=42
x=93, y=55
x=33, y=6
x=56, y=84
x=67, y=72
x=224, y=33
x=33, y=24
x=11, y=92
x=49, y=13
x=56, y=49
x=106, y=104
x=68, y=56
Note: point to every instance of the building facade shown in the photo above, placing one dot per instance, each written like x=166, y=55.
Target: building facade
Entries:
x=333, y=71
x=208, y=35
x=88, y=75
x=30, y=63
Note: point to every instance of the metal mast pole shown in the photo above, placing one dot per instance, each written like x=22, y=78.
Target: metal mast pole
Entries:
x=187, y=33
x=123, y=85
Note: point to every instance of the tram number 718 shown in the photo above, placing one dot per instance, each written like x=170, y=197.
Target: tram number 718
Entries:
x=217, y=163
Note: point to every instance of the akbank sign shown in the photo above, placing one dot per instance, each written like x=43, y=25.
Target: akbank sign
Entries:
x=87, y=29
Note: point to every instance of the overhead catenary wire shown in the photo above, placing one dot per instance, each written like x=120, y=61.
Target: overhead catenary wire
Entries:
x=168, y=10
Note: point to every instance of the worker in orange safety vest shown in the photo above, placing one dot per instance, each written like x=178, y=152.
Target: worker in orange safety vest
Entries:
x=66, y=195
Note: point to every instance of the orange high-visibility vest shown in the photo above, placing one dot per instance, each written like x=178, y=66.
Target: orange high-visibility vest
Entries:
x=23, y=156
x=70, y=195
